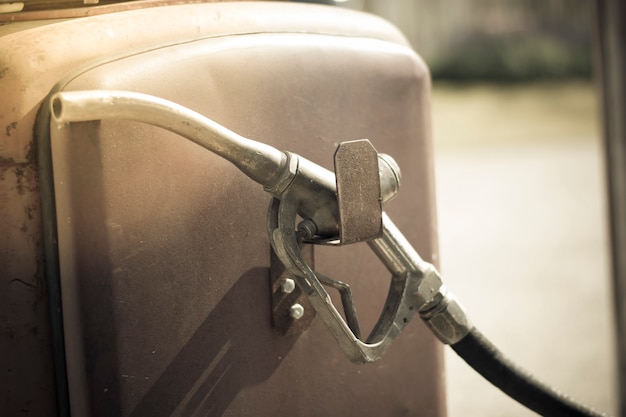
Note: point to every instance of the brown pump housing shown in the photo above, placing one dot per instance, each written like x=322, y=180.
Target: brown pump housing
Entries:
x=163, y=277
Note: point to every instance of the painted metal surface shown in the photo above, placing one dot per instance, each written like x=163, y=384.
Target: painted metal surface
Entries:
x=165, y=264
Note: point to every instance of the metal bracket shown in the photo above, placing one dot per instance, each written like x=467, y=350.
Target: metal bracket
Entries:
x=292, y=312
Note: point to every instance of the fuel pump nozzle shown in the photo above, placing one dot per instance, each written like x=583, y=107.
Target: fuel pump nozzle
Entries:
x=310, y=204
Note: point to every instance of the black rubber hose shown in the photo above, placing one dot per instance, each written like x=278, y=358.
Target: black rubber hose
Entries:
x=488, y=361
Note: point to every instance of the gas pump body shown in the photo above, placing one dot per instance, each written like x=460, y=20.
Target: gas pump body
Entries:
x=164, y=260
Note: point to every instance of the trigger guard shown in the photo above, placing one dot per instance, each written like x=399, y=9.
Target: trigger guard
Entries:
x=399, y=308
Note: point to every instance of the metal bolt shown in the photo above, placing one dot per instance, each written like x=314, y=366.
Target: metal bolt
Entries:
x=296, y=311
x=307, y=228
x=287, y=285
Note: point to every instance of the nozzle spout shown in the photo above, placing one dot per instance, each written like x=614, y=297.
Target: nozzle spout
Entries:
x=261, y=162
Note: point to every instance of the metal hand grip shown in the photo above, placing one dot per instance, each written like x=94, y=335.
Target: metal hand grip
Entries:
x=402, y=301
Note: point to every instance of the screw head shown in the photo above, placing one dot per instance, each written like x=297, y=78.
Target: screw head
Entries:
x=296, y=311
x=287, y=285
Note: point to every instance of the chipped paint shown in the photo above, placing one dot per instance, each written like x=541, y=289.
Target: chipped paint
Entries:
x=11, y=127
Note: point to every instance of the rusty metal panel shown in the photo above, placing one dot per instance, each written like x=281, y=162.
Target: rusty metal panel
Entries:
x=26, y=373
x=164, y=259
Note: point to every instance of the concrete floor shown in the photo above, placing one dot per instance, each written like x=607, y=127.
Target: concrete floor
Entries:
x=523, y=238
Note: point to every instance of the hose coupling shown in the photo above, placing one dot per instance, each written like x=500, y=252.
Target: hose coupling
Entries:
x=285, y=176
x=441, y=311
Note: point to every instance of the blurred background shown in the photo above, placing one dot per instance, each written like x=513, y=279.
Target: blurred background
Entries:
x=520, y=187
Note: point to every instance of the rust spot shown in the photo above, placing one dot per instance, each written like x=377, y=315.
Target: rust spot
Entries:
x=31, y=152
x=39, y=275
x=11, y=127
x=27, y=179
x=6, y=161
x=30, y=211
x=19, y=175
x=4, y=71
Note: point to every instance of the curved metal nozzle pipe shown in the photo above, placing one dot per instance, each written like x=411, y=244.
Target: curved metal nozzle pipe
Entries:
x=259, y=161
x=268, y=166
